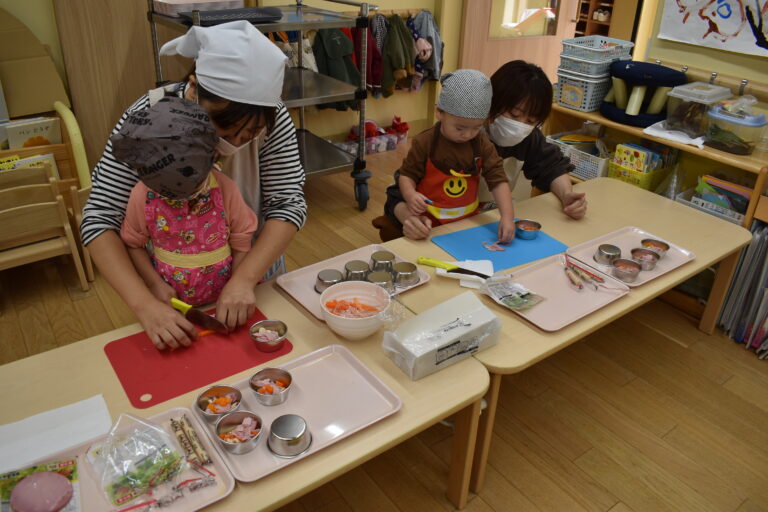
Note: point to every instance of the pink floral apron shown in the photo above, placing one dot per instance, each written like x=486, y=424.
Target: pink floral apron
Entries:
x=190, y=243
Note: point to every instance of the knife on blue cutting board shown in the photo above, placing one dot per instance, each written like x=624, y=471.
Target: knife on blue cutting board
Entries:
x=450, y=267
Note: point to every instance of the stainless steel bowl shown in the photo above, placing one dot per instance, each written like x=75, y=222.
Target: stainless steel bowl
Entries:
x=356, y=270
x=645, y=257
x=382, y=261
x=383, y=279
x=626, y=270
x=327, y=278
x=228, y=422
x=204, y=398
x=289, y=436
x=527, y=229
x=272, y=374
x=656, y=246
x=269, y=325
x=405, y=273
x=606, y=254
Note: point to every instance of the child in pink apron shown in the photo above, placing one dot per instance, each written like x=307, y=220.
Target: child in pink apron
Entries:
x=186, y=225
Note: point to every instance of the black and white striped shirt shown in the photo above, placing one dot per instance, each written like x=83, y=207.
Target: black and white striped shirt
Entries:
x=281, y=179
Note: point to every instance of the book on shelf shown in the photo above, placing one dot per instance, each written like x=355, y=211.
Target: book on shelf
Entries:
x=38, y=131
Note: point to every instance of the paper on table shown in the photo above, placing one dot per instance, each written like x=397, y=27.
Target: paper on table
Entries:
x=37, y=436
x=482, y=266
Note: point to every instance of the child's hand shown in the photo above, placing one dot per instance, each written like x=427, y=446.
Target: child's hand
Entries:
x=417, y=203
x=574, y=205
x=416, y=227
x=506, y=230
x=163, y=291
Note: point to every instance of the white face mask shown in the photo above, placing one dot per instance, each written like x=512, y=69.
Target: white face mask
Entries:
x=508, y=132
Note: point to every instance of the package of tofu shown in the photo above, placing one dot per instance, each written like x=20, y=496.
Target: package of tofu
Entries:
x=441, y=336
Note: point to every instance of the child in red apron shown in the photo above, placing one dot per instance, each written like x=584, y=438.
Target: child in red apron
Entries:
x=438, y=181
x=189, y=215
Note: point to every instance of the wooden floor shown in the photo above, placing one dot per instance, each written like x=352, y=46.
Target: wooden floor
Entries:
x=647, y=414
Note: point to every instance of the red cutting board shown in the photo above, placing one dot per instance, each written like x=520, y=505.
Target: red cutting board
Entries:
x=150, y=376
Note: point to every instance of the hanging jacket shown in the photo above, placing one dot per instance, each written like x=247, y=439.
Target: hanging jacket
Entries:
x=373, y=61
x=379, y=28
x=425, y=25
x=333, y=52
x=423, y=54
x=399, y=56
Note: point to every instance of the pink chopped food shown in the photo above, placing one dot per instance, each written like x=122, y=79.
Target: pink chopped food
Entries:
x=643, y=256
x=269, y=386
x=222, y=404
x=41, y=492
x=493, y=246
x=245, y=431
x=265, y=335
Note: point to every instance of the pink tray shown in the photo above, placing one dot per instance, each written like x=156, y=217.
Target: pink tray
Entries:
x=563, y=304
x=626, y=239
x=300, y=283
x=322, y=380
x=92, y=498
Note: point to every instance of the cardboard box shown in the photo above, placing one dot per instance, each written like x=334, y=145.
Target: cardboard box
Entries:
x=30, y=81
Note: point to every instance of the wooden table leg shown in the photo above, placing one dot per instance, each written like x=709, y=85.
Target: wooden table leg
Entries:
x=462, y=451
x=485, y=433
x=725, y=271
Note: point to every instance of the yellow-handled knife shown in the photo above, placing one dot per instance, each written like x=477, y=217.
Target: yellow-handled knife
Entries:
x=450, y=267
x=198, y=317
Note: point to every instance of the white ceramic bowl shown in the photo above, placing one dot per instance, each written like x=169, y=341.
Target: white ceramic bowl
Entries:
x=365, y=292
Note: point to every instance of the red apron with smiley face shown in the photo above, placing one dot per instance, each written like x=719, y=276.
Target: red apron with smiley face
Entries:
x=453, y=192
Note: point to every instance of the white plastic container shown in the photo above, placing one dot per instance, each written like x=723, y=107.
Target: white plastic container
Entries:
x=688, y=105
x=734, y=133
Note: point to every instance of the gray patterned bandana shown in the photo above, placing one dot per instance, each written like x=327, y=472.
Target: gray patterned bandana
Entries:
x=465, y=93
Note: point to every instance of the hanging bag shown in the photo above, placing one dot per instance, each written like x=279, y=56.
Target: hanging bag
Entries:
x=291, y=50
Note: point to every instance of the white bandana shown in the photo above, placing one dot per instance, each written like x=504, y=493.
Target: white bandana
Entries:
x=234, y=61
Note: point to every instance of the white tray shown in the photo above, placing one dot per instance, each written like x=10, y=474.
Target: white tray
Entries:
x=300, y=283
x=93, y=499
x=563, y=304
x=626, y=239
x=335, y=394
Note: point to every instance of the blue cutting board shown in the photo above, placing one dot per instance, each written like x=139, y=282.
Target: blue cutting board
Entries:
x=468, y=245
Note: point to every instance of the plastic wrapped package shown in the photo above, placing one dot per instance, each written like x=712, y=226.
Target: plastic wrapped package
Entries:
x=135, y=457
x=442, y=336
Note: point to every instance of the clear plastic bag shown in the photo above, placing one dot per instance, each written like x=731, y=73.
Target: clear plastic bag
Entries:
x=510, y=294
x=136, y=456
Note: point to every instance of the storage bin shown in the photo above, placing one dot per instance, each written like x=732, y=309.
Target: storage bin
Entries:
x=645, y=180
x=587, y=66
x=581, y=92
x=597, y=47
x=174, y=7
x=687, y=198
x=586, y=166
x=688, y=105
x=733, y=133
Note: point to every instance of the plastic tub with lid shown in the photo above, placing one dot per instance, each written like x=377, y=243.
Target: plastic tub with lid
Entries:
x=734, y=133
x=688, y=105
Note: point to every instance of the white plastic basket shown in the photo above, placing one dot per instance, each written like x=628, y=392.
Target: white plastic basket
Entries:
x=174, y=7
x=581, y=92
x=586, y=166
x=597, y=47
x=587, y=66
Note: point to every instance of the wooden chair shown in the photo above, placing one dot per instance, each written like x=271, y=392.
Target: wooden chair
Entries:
x=34, y=226
x=77, y=199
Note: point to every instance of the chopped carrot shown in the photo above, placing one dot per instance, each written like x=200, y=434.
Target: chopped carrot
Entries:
x=205, y=332
x=281, y=383
x=222, y=400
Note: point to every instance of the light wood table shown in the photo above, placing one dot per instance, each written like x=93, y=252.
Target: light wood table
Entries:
x=77, y=371
x=612, y=205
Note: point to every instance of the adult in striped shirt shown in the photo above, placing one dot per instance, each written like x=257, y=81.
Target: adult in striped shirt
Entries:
x=238, y=79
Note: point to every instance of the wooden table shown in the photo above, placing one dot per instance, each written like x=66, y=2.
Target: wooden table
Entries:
x=77, y=371
x=612, y=204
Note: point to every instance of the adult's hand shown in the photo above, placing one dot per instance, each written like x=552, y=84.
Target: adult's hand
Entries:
x=236, y=303
x=166, y=327
x=574, y=204
x=163, y=291
x=416, y=227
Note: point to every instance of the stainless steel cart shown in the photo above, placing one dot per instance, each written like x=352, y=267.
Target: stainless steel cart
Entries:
x=304, y=87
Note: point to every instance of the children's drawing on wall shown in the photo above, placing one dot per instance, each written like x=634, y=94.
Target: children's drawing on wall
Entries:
x=734, y=25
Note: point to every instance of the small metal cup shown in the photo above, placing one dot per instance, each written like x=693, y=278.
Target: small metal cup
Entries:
x=405, y=273
x=626, y=270
x=270, y=325
x=327, y=278
x=382, y=261
x=383, y=279
x=231, y=420
x=527, y=229
x=203, y=399
x=656, y=246
x=289, y=436
x=273, y=374
x=606, y=254
x=356, y=270
x=645, y=257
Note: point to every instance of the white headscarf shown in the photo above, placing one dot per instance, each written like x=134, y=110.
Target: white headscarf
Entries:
x=234, y=61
